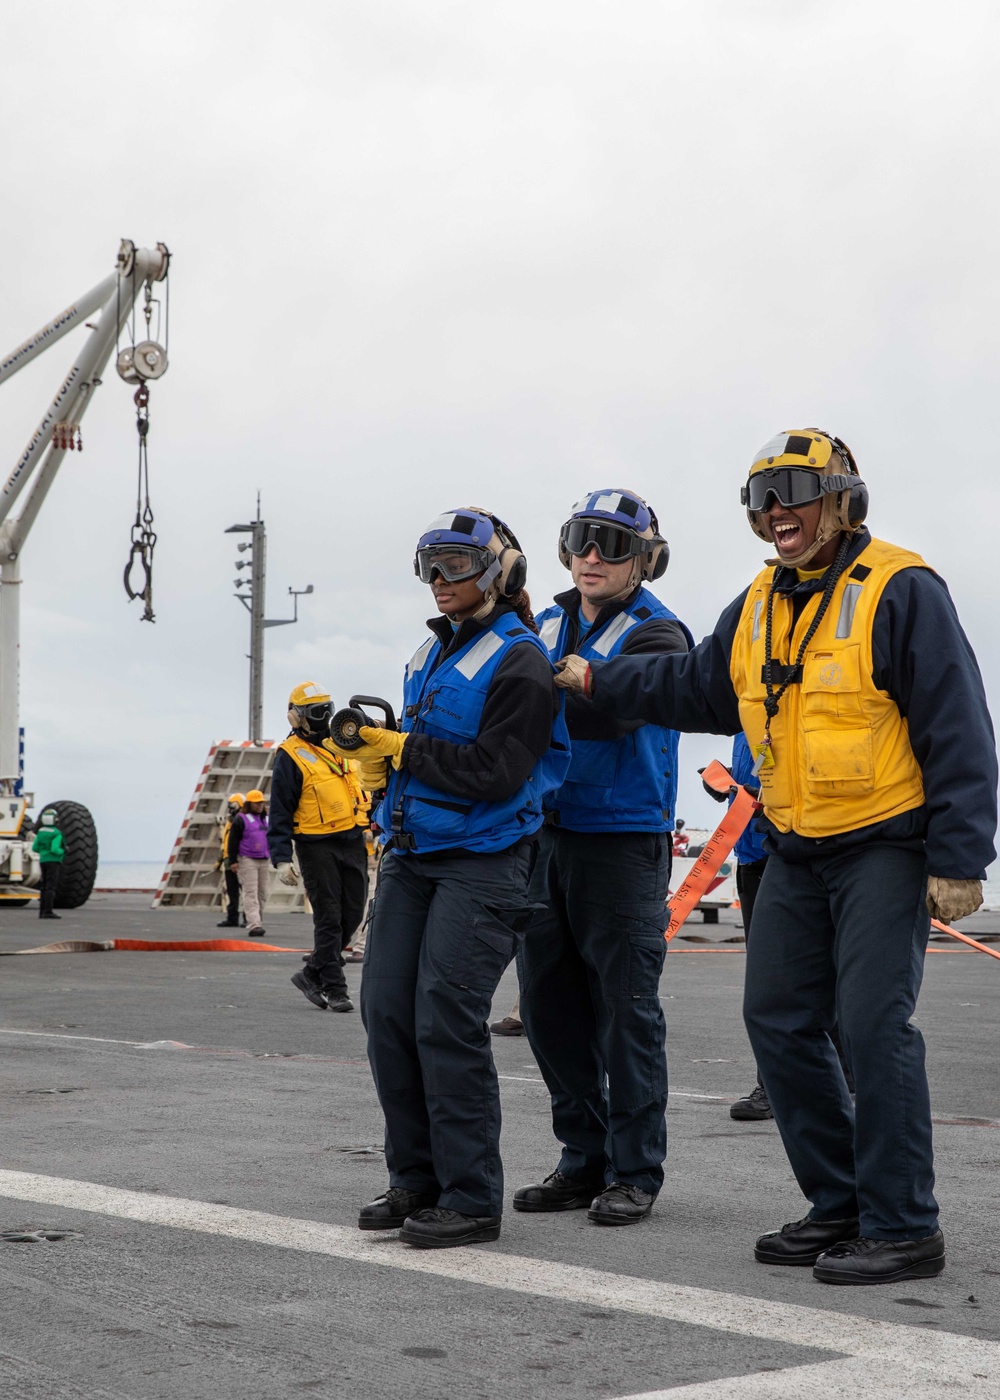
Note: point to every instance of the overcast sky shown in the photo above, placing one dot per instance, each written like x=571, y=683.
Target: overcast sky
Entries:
x=435, y=252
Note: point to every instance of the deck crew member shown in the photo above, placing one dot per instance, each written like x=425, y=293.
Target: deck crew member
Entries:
x=590, y=964
x=50, y=848
x=247, y=855
x=234, y=805
x=483, y=741
x=845, y=664
x=318, y=804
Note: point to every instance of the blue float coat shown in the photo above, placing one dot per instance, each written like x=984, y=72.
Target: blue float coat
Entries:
x=622, y=778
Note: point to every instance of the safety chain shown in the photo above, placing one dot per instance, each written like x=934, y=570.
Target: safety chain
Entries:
x=773, y=696
x=143, y=534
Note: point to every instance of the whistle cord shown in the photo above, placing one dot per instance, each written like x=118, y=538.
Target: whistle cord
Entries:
x=773, y=696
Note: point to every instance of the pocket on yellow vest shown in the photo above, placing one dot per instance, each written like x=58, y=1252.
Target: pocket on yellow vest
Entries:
x=840, y=762
x=831, y=683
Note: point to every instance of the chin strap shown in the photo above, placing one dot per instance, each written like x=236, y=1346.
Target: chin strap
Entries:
x=830, y=526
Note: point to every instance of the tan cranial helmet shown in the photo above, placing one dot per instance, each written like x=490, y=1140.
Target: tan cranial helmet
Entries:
x=784, y=469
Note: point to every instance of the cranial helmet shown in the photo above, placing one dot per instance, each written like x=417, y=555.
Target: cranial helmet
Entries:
x=255, y=795
x=801, y=466
x=622, y=526
x=472, y=542
x=236, y=799
x=309, y=712
x=49, y=817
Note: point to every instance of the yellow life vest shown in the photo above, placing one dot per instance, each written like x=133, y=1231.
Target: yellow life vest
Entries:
x=332, y=798
x=225, y=836
x=840, y=747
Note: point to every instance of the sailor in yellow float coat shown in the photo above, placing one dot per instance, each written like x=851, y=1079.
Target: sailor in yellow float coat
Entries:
x=846, y=666
x=232, y=919
x=319, y=806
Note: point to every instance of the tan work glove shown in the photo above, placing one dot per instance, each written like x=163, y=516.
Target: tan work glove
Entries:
x=949, y=900
x=573, y=674
x=287, y=873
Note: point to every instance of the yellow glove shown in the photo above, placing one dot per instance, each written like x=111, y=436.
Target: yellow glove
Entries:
x=372, y=772
x=949, y=900
x=386, y=743
x=573, y=674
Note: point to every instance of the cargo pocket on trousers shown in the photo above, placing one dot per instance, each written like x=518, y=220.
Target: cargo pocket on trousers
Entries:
x=489, y=945
x=643, y=923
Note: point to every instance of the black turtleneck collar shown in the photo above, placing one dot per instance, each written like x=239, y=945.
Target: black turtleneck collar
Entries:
x=570, y=603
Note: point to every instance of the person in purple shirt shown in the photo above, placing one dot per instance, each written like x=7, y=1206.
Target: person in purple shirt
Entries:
x=247, y=854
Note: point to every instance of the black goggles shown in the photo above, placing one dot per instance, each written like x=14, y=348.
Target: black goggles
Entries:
x=316, y=714
x=613, y=544
x=790, y=486
x=454, y=562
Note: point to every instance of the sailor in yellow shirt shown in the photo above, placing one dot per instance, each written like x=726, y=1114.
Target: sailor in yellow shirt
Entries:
x=845, y=665
x=319, y=808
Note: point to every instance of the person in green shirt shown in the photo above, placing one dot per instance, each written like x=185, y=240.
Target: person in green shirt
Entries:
x=50, y=849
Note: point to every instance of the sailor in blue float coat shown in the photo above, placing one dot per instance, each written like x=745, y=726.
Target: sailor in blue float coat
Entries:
x=483, y=741
x=590, y=964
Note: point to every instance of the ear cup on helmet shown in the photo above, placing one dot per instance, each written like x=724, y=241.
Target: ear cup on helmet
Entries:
x=657, y=559
x=857, y=505
x=515, y=573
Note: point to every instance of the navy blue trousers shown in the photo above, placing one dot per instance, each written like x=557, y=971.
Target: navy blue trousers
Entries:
x=590, y=970
x=443, y=930
x=841, y=938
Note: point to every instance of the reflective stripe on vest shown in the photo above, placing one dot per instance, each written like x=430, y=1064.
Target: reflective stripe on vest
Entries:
x=626, y=784
x=446, y=702
x=841, y=748
x=331, y=795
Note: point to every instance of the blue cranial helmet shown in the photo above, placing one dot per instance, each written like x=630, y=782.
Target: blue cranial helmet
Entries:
x=472, y=543
x=622, y=526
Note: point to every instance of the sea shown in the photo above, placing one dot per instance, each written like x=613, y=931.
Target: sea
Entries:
x=129, y=874
x=145, y=874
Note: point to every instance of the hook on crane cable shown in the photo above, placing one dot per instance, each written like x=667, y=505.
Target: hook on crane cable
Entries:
x=143, y=534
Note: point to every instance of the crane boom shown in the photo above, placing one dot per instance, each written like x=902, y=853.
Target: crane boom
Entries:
x=39, y=464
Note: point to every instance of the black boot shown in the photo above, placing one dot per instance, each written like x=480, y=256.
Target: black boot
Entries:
x=438, y=1228
x=881, y=1261
x=621, y=1204
x=803, y=1241
x=337, y=999
x=389, y=1211
x=752, y=1106
x=557, y=1192
x=309, y=985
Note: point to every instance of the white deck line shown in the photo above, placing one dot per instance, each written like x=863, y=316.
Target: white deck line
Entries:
x=882, y=1359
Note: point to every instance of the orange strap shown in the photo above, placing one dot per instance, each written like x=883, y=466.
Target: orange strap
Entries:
x=716, y=848
x=963, y=938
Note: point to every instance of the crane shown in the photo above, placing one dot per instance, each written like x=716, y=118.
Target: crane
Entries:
x=137, y=271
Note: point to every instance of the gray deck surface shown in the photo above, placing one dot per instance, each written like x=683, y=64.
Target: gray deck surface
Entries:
x=270, y=1108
